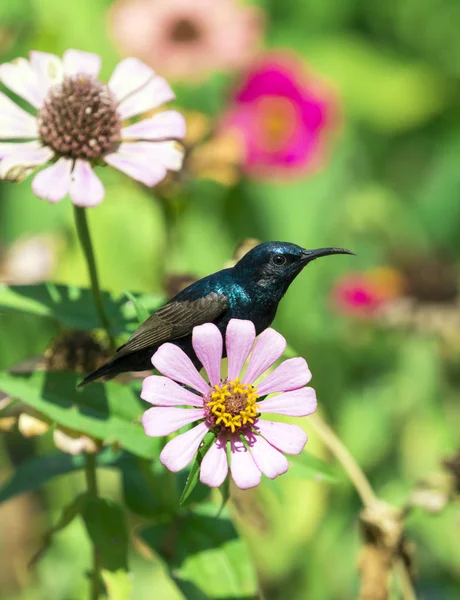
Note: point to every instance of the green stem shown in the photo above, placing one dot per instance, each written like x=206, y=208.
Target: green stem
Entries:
x=91, y=484
x=87, y=246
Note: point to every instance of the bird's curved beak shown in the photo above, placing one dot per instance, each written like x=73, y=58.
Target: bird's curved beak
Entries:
x=309, y=255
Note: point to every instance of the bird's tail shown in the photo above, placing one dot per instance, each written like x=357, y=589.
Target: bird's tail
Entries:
x=108, y=371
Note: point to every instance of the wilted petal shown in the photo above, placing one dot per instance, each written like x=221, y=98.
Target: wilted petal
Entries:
x=77, y=62
x=168, y=124
x=267, y=458
x=53, y=183
x=297, y=403
x=268, y=348
x=16, y=167
x=15, y=122
x=180, y=451
x=23, y=80
x=163, y=391
x=152, y=95
x=86, y=188
x=288, y=438
x=239, y=338
x=130, y=75
x=214, y=466
x=160, y=420
x=291, y=374
x=244, y=471
x=207, y=343
x=174, y=363
x=48, y=66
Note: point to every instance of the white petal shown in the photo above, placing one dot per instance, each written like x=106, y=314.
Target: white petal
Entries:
x=16, y=167
x=163, y=420
x=53, y=183
x=152, y=95
x=268, y=348
x=48, y=65
x=168, y=124
x=129, y=75
x=214, y=466
x=23, y=80
x=163, y=391
x=86, y=188
x=207, y=343
x=15, y=122
x=180, y=451
x=76, y=62
x=7, y=148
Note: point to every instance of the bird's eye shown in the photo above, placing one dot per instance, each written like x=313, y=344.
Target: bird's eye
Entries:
x=278, y=260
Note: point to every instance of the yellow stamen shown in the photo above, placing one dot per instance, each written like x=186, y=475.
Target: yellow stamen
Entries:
x=233, y=404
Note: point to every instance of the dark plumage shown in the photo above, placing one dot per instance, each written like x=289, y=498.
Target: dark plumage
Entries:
x=252, y=290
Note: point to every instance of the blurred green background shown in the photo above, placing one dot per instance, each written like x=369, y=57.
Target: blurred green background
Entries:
x=389, y=189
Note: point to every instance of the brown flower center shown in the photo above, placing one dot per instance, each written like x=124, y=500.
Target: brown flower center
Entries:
x=79, y=118
x=185, y=31
x=232, y=405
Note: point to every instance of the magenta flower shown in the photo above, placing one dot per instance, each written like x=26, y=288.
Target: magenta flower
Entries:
x=282, y=115
x=229, y=406
x=78, y=123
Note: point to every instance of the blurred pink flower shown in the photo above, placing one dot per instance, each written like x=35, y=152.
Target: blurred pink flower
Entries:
x=231, y=406
x=187, y=40
x=363, y=294
x=282, y=114
x=79, y=124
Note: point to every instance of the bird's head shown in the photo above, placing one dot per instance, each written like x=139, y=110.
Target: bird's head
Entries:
x=276, y=264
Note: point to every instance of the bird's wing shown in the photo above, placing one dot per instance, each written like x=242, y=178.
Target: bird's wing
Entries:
x=175, y=320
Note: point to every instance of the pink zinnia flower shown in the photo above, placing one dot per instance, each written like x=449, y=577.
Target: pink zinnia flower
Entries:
x=282, y=114
x=78, y=123
x=187, y=40
x=229, y=406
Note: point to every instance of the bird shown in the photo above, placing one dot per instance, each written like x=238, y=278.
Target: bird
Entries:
x=251, y=289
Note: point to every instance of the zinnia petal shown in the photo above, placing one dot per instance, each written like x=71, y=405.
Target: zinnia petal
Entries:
x=297, y=403
x=214, y=466
x=268, y=348
x=267, y=458
x=19, y=165
x=180, y=451
x=174, y=363
x=86, y=188
x=288, y=438
x=163, y=391
x=239, y=338
x=244, y=471
x=161, y=420
x=7, y=148
x=207, y=343
x=168, y=124
x=23, y=80
x=77, y=62
x=153, y=94
x=291, y=374
x=129, y=76
x=14, y=121
x=53, y=183
x=48, y=65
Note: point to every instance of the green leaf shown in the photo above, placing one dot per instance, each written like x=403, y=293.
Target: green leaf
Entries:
x=206, y=554
x=106, y=526
x=119, y=584
x=141, y=312
x=305, y=465
x=108, y=411
x=194, y=475
x=74, y=307
x=35, y=472
x=67, y=516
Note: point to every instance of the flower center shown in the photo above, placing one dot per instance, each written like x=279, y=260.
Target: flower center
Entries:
x=79, y=118
x=184, y=31
x=232, y=405
x=276, y=121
